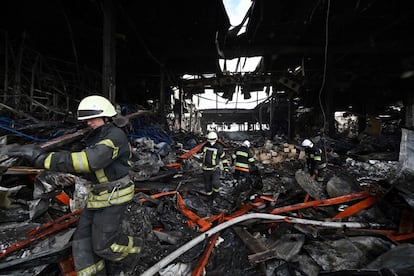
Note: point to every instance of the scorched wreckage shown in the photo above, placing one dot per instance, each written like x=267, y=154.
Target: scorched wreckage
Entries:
x=112, y=163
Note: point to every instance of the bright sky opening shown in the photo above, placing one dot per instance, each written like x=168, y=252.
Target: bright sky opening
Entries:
x=236, y=10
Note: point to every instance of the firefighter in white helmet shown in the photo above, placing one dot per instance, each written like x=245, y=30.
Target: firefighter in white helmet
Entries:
x=315, y=160
x=213, y=155
x=105, y=161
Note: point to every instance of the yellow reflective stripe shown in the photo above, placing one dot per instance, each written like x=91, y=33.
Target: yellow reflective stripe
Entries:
x=213, y=157
x=233, y=156
x=216, y=190
x=321, y=166
x=317, y=158
x=105, y=194
x=105, y=199
x=210, y=169
x=125, y=249
x=80, y=162
x=109, y=143
x=242, y=153
x=93, y=269
x=100, y=175
x=48, y=161
x=241, y=165
x=251, y=159
x=116, y=201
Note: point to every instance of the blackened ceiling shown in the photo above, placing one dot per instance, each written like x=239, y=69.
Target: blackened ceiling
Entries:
x=359, y=49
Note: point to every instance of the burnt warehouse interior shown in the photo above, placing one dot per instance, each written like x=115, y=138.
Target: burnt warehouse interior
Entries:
x=287, y=76
x=348, y=56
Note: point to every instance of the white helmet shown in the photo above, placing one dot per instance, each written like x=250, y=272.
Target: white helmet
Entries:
x=95, y=107
x=212, y=137
x=246, y=143
x=307, y=143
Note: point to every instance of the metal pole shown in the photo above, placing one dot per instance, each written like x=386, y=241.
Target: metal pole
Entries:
x=109, y=51
x=6, y=65
x=162, y=95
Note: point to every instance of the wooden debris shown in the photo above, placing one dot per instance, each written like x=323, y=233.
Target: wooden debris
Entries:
x=406, y=223
x=64, y=139
x=274, y=154
x=253, y=244
x=122, y=121
x=19, y=113
x=22, y=171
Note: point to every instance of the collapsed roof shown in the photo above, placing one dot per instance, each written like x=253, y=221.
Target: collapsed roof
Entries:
x=360, y=50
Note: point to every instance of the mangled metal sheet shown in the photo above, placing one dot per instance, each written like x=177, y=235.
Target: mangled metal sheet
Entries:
x=399, y=260
x=7, y=196
x=36, y=258
x=406, y=157
x=346, y=253
x=313, y=188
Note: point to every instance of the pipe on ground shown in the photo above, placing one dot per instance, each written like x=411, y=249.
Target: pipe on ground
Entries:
x=172, y=256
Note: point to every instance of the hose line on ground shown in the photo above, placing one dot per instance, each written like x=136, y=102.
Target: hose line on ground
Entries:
x=178, y=252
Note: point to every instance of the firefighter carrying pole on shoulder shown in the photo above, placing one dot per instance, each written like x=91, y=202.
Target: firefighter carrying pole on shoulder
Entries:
x=105, y=161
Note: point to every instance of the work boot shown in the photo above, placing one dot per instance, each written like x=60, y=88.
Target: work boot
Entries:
x=115, y=268
x=209, y=197
x=130, y=263
x=213, y=198
x=208, y=202
x=84, y=256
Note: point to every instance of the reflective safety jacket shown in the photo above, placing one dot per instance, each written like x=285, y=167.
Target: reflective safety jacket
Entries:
x=105, y=161
x=212, y=156
x=315, y=159
x=242, y=159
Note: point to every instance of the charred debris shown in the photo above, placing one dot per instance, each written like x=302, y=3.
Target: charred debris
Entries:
x=359, y=222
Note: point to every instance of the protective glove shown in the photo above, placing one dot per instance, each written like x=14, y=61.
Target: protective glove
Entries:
x=30, y=152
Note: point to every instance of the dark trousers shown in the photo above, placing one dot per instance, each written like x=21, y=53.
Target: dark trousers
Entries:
x=97, y=230
x=238, y=174
x=212, y=180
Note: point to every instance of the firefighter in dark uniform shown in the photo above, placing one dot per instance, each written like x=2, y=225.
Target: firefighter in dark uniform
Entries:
x=315, y=160
x=243, y=160
x=104, y=161
x=246, y=174
x=213, y=155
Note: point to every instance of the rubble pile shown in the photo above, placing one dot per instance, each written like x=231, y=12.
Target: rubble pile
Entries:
x=358, y=222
